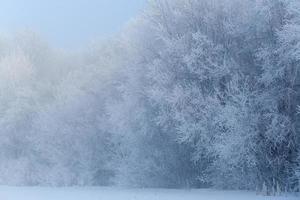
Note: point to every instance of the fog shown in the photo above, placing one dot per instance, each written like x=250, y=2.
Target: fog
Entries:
x=68, y=23
x=170, y=94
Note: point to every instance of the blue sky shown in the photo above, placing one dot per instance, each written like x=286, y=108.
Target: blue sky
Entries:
x=68, y=23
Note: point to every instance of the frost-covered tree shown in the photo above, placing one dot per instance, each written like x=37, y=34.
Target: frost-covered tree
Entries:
x=235, y=141
x=190, y=62
x=191, y=93
x=278, y=133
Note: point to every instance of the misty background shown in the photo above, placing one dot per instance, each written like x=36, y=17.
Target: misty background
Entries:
x=68, y=23
x=174, y=94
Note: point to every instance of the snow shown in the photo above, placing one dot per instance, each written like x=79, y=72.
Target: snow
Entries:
x=100, y=193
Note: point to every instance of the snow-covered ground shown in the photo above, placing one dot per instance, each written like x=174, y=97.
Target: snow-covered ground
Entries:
x=95, y=193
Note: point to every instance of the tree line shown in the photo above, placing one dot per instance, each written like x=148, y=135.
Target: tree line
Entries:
x=191, y=93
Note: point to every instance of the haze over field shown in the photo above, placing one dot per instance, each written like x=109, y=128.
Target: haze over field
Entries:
x=176, y=94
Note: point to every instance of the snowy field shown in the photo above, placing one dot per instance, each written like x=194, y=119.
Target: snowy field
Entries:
x=40, y=193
